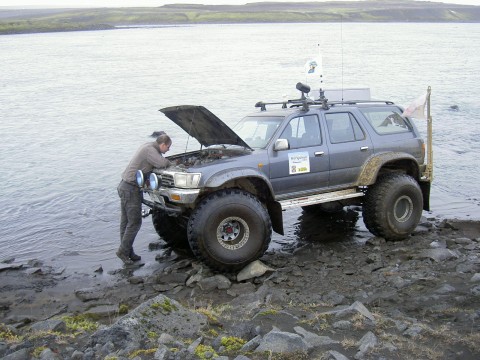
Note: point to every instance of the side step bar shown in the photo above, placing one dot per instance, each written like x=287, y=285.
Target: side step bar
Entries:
x=320, y=198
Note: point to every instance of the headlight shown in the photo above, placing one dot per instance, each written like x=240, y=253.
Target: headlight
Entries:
x=154, y=181
x=187, y=180
x=140, y=178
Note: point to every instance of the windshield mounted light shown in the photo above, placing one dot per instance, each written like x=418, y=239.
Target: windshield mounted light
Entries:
x=139, y=178
x=187, y=180
x=154, y=181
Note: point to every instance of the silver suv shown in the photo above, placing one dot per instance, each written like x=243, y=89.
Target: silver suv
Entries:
x=227, y=197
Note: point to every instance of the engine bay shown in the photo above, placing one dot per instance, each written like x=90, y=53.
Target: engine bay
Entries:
x=206, y=156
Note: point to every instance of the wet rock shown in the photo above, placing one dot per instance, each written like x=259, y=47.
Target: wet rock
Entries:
x=252, y=270
x=241, y=357
x=77, y=355
x=98, y=269
x=191, y=348
x=8, y=266
x=135, y=280
x=463, y=241
x=438, y=255
x=252, y=344
x=160, y=314
x=314, y=340
x=475, y=278
x=34, y=270
x=438, y=244
x=21, y=354
x=335, y=355
x=282, y=342
x=376, y=241
x=475, y=290
x=178, y=278
x=48, y=354
x=242, y=288
x=413, y=331
x=88, y=294
x=162, y=353
x=356, y=307
x=445, y=289
x=366, y=343
x=49, y=325
x=220, y=282
x=333, y=298
x=7, y=260
x=103, y=311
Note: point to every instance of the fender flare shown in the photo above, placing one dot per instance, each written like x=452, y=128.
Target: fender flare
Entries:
x=371, y=167
x=224, y=176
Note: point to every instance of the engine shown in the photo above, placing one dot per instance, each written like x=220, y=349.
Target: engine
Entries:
x=205, y=156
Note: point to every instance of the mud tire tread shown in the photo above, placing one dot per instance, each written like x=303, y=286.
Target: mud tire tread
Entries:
x=378, y=206
x=227, y=197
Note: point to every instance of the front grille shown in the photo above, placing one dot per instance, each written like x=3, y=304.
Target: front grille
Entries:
x=167, y=180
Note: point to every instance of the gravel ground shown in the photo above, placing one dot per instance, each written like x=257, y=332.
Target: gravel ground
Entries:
x=371, y=299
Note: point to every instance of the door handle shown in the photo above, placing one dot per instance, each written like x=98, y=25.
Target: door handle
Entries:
x=319, y=153
x=364, y=148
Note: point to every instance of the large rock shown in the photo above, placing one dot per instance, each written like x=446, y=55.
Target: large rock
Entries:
x=282, y=342
x=161, y=315
x=252, y=270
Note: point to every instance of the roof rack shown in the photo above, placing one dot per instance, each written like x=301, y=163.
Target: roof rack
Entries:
x=305, y=102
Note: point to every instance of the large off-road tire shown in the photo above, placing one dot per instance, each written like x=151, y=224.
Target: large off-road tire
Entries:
x=171, y=229
x=229, y=229
x=393, y=206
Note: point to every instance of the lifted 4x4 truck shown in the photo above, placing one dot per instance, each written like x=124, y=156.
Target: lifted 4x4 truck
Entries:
x=227, y=197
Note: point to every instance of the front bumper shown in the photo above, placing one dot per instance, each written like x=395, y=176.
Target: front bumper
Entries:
x=171, y=199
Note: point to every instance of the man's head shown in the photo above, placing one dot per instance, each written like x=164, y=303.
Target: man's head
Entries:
x=164, y=142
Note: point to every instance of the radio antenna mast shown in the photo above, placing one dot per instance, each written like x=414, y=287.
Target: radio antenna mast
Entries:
x=341, y=47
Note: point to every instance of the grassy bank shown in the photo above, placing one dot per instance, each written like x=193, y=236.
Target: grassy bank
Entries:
x=16, y=21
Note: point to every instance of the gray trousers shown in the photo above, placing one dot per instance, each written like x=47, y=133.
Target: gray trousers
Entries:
x=131, y=215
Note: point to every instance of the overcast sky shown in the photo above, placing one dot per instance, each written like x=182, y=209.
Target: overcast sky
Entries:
x=128, y=3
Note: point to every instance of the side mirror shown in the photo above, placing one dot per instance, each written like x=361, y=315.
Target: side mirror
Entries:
x=281, y=144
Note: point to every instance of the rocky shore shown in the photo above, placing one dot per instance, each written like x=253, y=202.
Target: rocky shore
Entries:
x=414, y=299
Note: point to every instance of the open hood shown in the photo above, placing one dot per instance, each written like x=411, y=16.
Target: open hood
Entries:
x=203, y=125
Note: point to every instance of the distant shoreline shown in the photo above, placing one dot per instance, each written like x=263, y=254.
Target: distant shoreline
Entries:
x=23, y=21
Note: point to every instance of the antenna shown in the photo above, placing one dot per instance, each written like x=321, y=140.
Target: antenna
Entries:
x=341, y=46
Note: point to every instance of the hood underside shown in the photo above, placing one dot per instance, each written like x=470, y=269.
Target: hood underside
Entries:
x=203, y=125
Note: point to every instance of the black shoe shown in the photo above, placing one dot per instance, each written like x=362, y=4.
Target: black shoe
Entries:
x=135, y=257
x=126, y=260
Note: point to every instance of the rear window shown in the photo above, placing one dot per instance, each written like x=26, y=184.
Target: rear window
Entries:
x=386, y=120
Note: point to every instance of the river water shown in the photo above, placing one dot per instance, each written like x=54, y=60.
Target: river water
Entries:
x=75, y=107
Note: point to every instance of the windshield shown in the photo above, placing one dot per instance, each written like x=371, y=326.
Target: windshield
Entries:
x=257, y=131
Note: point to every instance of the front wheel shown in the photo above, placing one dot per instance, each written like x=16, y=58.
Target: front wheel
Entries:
x=229, y=229
x=393, y=206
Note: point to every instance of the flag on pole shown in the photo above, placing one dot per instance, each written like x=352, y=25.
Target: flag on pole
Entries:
x=314, y=71
x=417, y=108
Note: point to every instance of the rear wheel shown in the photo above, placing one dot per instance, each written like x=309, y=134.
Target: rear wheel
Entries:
x=229, y=229
x=393, y=206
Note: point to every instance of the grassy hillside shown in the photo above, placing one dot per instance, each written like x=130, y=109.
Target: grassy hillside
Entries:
x=16, y=21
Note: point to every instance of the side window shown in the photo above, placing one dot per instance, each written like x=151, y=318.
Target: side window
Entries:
x=386, y=120
x=343, y=127
x=302, y=131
